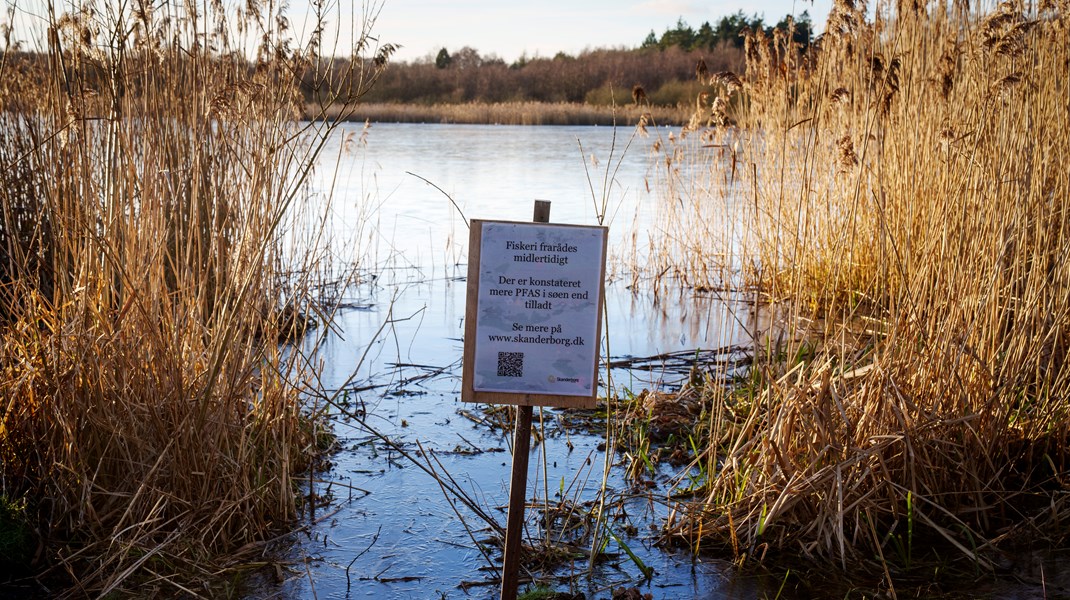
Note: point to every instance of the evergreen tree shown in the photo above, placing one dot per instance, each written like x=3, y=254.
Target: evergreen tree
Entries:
x=705, y=39
x=443, y=59
x=730, y=28
x=682, y=36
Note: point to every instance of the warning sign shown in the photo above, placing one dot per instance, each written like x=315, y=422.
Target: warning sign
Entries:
x=533, y=316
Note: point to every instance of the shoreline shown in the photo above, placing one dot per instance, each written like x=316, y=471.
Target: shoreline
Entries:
x=504, y=113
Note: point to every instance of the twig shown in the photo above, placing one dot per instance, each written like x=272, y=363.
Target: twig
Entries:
x=450, y=198
x=375, y=538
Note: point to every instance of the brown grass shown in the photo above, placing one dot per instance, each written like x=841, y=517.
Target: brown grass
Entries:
x=517, y=113
x=900, y=200
x=150, y=419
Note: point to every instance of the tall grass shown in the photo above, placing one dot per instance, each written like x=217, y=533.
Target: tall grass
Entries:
x=520, y=113
x=899, y=197
x=152, y=164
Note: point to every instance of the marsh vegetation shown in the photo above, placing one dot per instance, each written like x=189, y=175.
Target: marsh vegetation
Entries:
x=153, y=255
x=883, y=213
x=900, y=197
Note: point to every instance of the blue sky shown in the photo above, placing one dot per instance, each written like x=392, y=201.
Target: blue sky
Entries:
x=510, y=28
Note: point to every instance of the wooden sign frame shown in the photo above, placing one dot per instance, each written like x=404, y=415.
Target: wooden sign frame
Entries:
x=472, y=316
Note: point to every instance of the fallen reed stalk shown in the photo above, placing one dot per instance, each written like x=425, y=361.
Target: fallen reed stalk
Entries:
x=151, y=168
x=899, y=200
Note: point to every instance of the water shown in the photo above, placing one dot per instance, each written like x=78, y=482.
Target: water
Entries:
x=409, y=188
x=406, y=526
x=395, y=351
x=385, y=528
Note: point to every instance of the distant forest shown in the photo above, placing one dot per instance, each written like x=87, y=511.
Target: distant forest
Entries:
x=663, y=67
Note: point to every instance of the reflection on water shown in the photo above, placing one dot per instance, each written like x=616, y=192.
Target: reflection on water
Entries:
x=391, y=182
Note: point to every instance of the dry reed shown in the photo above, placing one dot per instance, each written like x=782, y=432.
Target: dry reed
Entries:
x=899, y=198
x=151, y=165
x=517, y=113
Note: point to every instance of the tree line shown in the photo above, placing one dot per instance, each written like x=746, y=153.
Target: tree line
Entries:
x=729, y=30
x=664, y=68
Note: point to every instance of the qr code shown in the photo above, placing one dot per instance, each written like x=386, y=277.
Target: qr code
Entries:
x=510, y=364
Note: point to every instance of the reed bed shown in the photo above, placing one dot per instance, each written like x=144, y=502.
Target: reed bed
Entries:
x=153, y=174
x=518, y=113
x=898, y=198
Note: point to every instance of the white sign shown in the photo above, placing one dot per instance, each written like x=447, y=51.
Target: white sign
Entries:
x=538, y=308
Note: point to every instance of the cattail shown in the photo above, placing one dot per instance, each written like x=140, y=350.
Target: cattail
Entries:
x=717, y=112
x=1003, y=86
x=847, y=157
x=946, y=76
x=840, y=95
x=1003, y=32
x=638, y=94
x=701, y=71
x=751, y=44
x=876, y=66
x=729, y=80
x=640, y=127
x=996, y=21
x=1013, y=43
x=844, y=19
x=891, y=86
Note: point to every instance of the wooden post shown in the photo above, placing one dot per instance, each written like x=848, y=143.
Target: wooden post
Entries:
x=518, y=488
x=518, y=485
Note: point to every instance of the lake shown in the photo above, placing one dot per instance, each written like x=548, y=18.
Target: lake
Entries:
x=389, y=530
x=410, y=187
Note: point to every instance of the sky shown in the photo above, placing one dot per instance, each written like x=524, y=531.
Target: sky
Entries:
x=510, y=29
x=507, y=29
